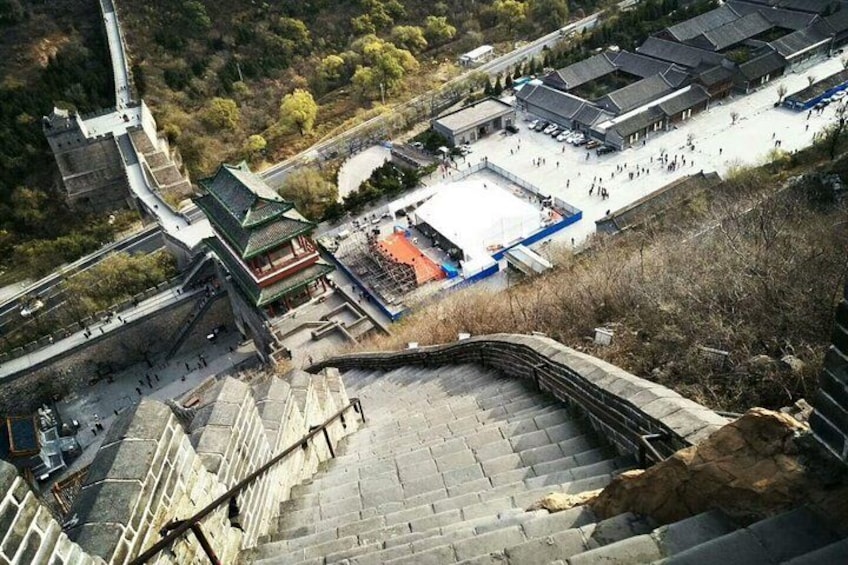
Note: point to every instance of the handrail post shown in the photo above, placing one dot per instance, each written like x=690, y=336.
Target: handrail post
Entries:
x=204, y=543
x=329, y=443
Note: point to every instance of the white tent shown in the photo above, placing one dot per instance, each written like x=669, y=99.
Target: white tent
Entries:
x=480, y=218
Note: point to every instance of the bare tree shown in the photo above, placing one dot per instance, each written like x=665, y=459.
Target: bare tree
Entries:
x=845, y=62
x=733, y=117
x=810, y=80
x=781, y=92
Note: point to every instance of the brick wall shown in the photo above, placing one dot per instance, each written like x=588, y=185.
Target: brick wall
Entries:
x=621, y=406
x=154, y=467
x=28, y=532
x=829, y=420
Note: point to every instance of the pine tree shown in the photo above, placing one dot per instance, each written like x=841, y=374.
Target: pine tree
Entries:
x=498, y=88
x=508, y=82
x=517, y=74
x=487, y=90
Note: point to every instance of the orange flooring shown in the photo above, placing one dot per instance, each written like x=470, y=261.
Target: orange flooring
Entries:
x=399, y=249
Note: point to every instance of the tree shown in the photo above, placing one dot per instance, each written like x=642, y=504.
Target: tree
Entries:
x=810, y=80
x=549, y=15
x=835, y=132
x=733, y=117
x=488, y=88
x=310, y=192
x=509, y=13
x=384, y=64
x=437, y=30
x=410, y=38
x=222, y=113
x=781, y=92
x=298, y=109
x=254, y=145
x=497, y=90
x=508, y=82
x=294, y=30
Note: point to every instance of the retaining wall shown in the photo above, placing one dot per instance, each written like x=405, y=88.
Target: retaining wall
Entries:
x=620, y=406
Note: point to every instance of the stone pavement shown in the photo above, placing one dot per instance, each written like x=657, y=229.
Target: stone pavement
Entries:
x=720, y=145
x=176, y=377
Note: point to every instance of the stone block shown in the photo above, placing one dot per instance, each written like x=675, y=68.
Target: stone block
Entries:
x=97, y=539
x=435, y=521
x=455, y=460
x=463, y=475
x=146, y=420
x=529, y=440
x=488, y=542
x=542, y=551
x=638, y=549
x=428, y=484
x=127, y=460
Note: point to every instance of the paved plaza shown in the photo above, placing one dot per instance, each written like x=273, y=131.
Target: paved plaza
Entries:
x=175, y=378
x=719, y=145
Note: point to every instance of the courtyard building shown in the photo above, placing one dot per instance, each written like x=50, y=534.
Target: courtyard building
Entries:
x=475, y=121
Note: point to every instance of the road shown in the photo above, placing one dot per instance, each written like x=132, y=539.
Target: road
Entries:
x=275, y=175
x=47, y=289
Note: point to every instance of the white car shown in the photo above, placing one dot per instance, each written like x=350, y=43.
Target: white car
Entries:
x=563, y=136
x=839, y=95
x=533, y=124
x=549, y=129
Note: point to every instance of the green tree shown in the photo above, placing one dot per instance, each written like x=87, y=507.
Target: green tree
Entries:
x=311, y=193
x=295, y=31
x=385, y=64
x=29, y=208
x=298, y=109
x=549, y=14
x=363, y=25
x=510, y=13
x=438, y=30
x=254, y=145
x=117, y=278
x=410, y=38
x=488, y=89
x=222, y=113
x=497, y=90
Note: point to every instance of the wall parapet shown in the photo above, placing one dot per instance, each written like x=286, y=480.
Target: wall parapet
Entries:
x=619, y=405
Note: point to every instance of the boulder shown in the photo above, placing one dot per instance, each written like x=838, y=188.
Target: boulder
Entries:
x=756, y=466
x=559, y=501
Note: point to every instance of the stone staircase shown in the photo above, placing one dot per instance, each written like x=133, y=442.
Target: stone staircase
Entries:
x=448, y=463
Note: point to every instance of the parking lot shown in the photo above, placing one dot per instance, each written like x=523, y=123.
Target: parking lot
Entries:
x=719, y=144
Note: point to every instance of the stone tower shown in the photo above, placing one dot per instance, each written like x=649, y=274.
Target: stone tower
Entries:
x=92, y=170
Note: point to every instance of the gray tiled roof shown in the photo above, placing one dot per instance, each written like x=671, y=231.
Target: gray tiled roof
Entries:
x=639, y=65
x=245, y=195
x=732, y=33
x=779, y=17
x=762, y=65
x=590, y=115
x=581, y=72
x=693, y=96
x=715, y=75
x=635, y=95
x=797, y=41
x=252, y=240
x=702, y=23
x=638, y=122
x=551, y=99
x=679, y=53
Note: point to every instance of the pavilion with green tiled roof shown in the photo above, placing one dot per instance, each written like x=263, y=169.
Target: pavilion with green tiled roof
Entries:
x=262, y=240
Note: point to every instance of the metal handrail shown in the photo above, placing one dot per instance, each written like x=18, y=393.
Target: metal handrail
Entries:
x=179, y=528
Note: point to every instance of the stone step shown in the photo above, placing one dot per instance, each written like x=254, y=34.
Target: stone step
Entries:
x=664, y=541
x=424, y=474
x=292, y=523
x=834, y=553
x=774, y=540
x=554, y=424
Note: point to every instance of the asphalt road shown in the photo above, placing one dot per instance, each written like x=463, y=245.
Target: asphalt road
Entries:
x=48, y=290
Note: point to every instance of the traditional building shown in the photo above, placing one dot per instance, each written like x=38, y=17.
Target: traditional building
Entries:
x=264, y=247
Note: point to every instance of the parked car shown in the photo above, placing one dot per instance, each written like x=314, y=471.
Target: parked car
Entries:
x=603, y=150
x=580, y=141
x=549, y=129
x=511, y=128
x=556, y=132
x=594, y=143
x=533, y=124
x=541, y=125
x=563, y=135
x=465, y=150
x=418, y=145
x=839, y=95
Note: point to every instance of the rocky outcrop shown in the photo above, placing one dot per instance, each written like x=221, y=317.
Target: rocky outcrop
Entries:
x=757, y=466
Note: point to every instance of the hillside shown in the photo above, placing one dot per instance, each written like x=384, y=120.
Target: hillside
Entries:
x=754, y=268
x=50, y=53
x=215, y=72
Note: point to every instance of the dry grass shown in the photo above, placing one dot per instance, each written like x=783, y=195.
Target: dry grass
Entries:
x=761, y=278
